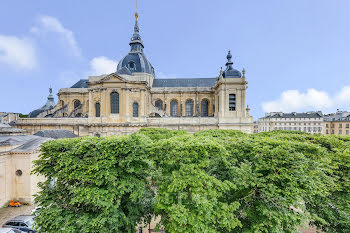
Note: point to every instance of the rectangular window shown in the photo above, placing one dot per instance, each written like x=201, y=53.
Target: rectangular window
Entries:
x=347, y=132
x=327, y=126
x=340, y=125
x=347, y=125
x=232, y=102
x=327, y=131
x=340, y=132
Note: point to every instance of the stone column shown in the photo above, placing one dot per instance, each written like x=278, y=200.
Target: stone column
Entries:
x=126, y=102
x=181, y=105
x=91, y=105
x=222, y=103
x=142, y=103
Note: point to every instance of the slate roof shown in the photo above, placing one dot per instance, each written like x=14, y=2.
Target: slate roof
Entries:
x=135, y=61
x=30, y=145
x=296, y=115
x=339, y=116
x=55, y=134
x=50, y=104
x=16, y=140
x=82, y=83
x=10, y=130
x=185, y=82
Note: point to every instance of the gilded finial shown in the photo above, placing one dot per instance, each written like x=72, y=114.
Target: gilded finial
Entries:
x=136, y=14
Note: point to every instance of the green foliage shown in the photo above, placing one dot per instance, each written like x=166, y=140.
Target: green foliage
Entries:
x=219, y=133
x=213, y=181
x=189, y=198
x=100, y=185
x=23, y=115
x=158, y=134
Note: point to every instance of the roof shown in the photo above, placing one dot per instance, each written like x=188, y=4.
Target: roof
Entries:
x=230, y=72
x=11, y=130
x=135, y=61
x=15, y=140
x=82, y=83
x=339, y=116
x=50, y=104
x=295, y=115
x=31, y=145
x=55, y=134
x=185, y=82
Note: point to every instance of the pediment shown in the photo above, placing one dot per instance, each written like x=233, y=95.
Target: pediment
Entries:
x=113, y=78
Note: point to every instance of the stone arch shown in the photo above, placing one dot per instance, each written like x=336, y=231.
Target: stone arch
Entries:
x=189, y=107
x=174, y=108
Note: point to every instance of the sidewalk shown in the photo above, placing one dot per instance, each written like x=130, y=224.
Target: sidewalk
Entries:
x=7, y=213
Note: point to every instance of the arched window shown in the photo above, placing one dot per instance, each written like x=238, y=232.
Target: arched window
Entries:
x=159, y=104
x=173, y=108
x=189, y=108
x=135, y=109
x=205, y=108
x=98, y=109
x=77, y=104
x=114, y=102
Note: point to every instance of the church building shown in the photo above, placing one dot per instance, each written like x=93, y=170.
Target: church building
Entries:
x=133, y=97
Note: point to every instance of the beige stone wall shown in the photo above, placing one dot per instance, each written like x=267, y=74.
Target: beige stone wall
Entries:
x=71, y=95
x=336, y=128
x=17, y=187
x=181, y=98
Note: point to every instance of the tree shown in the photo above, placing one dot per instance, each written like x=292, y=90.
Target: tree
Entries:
x=100, y=185
x=213, y=181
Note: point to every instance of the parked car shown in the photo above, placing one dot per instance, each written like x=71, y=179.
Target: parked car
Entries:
x=23, y=223
x=36, y=209
x=9, y=230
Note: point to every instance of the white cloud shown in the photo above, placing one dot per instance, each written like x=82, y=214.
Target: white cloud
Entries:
x=102, y=65
x=17, y=52
x=294, y=101
x=51, y=24
x=344, y=96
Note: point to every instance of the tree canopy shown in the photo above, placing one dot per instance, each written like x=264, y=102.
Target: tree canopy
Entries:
x=212, y=181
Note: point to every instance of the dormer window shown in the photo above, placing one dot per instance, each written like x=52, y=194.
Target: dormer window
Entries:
x=131, y=65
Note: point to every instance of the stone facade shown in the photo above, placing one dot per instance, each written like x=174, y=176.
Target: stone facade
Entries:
x=310, y=122
x=8, y=117
x=133, y=98
x=17, y=154
x=337, y=123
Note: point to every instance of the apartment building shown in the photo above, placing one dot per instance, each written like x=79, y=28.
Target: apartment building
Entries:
x=337, y=123
x=310, y=122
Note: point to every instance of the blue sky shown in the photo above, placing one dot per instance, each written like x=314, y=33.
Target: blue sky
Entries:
x=296, y=52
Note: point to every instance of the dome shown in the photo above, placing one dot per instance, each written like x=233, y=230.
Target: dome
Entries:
x=135, y=61
x=50, y=104
x=230, y=72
